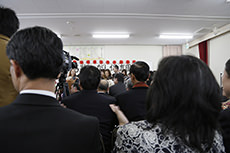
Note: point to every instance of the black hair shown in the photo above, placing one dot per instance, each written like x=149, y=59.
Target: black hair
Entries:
x=103, y=85
x=38, y=51
x=109, y=74
x=124, y=70
x=140, y=70
x=116, y=66
x=227, y=67
x=89, y=77
x=184, y=98
x=9, y=23
x=119, y=77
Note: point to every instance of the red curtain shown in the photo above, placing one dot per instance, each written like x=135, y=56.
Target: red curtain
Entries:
x=203, y=51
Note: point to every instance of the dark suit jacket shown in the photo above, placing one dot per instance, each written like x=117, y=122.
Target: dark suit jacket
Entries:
x=89, y=102
x=117, y=89
x=225, y=125
x=38, y=124
x=133, y=104
x=113, y=99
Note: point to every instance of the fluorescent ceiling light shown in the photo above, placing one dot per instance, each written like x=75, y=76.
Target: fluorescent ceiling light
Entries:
x=175, y=36
x=111, y=36
x=227, y=1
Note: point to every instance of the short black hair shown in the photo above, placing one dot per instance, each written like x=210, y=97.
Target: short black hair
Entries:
x=185, y=98
x=119, y=77
x=227, y=67
x=116, y=66
x=9, y=22
x=140, y=70
x=103, y=85
x=89, y=77
x=38, y=51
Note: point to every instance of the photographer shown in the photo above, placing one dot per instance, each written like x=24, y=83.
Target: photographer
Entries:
x=63, y=87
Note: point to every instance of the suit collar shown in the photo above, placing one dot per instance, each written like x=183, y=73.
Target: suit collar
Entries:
x=140, y=84
x=35, y=99
x=39, y=92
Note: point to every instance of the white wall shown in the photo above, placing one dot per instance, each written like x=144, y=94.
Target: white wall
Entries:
x=219, y=53
x=150, y=54
x=194, y=51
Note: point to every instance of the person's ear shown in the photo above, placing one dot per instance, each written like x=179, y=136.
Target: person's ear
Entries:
x=133, y=76
x=17, y=68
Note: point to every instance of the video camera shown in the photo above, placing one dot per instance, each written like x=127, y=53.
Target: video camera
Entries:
x=69, y=62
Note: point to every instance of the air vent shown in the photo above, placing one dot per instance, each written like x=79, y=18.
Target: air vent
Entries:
x=203, y=30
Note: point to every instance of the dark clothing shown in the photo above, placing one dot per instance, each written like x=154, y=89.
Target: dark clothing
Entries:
x=225, y=125
x=132, y=103
x=108, y=96
x=117, y=89
x=89, y=102
x=38, y=124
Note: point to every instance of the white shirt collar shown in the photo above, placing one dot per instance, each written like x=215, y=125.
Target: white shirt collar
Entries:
x=39, y=92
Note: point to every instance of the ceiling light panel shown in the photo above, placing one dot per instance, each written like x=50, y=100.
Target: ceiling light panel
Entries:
x=176, y=36
x=110, y=35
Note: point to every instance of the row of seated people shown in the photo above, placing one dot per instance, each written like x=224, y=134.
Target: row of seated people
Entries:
x=182, y=109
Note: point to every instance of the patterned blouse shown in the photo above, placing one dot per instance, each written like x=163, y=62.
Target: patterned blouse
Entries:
x=142, y=137
x=226, y=105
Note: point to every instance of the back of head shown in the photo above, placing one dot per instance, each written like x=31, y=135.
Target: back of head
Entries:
x=9, y=23
x=116, y=67
x=140, y=70
x=103, y=85
x=227, y=67
x=124, y=71
x=119, y=77
x=184, y=97
x=89, y=77
x=38, y=51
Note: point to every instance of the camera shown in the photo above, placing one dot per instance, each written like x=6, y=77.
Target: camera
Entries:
x=69, y=62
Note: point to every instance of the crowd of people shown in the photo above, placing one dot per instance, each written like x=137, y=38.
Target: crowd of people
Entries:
x=175, y=109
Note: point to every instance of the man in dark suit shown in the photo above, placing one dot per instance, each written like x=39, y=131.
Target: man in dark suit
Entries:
x=119, y=86
x=132, y=102
x=35, y=122
x=89, y=102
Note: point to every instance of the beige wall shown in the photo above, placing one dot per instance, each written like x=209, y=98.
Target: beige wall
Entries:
x=150, y=54
x=219, y=53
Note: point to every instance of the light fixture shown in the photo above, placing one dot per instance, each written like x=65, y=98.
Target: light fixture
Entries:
x=176, y=36
x=110, y=35
x=227, y=1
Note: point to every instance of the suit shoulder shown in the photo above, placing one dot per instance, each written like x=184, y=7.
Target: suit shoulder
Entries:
x=125, y=93
x=106, y=97
x=78, y=117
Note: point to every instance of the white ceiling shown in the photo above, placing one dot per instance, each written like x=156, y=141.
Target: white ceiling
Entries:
x=143, y=19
